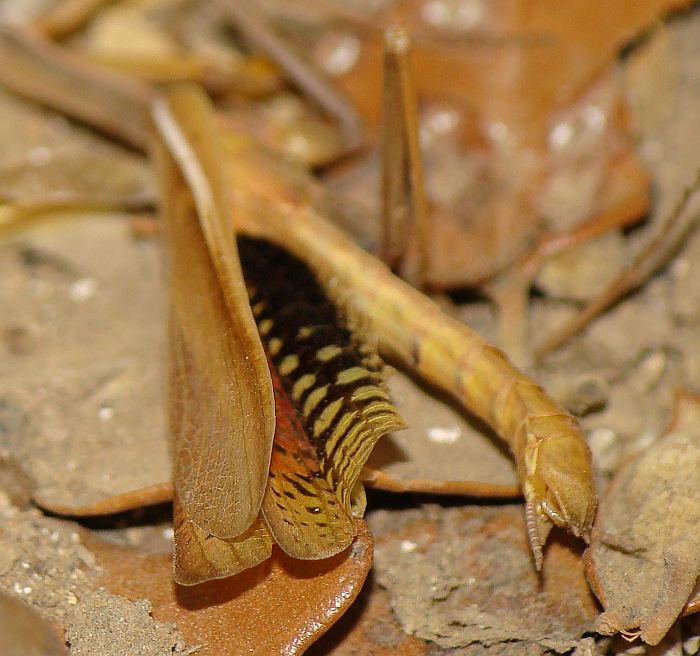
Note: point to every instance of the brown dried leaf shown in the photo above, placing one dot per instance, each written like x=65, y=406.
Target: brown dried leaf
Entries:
x=521, y=84
x=278, y=607
x=644, y=559
x=557, y=48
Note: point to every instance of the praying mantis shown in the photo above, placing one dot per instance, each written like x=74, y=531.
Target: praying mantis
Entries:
x=222, y=189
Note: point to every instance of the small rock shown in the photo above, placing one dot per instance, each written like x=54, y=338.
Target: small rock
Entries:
x=587, y=394
x=23, y=632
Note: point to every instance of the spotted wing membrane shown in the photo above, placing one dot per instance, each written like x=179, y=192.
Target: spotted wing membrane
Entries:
x=331, y=404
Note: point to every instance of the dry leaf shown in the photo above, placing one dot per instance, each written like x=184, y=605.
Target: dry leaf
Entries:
x=278, y=607
x=558, y=49
x=518, y=100
x=644, y=559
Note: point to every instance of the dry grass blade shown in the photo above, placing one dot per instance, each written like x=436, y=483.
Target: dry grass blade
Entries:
x=246, y=18
x=380, y=480
x=221, y=402
x=67, y=17
x=405, y=215
x=32, y=67
x=663, y=243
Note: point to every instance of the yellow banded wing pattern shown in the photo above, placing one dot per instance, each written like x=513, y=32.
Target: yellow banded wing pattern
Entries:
x=334, y=384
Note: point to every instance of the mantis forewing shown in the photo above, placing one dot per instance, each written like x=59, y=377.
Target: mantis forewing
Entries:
x=221, y=402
